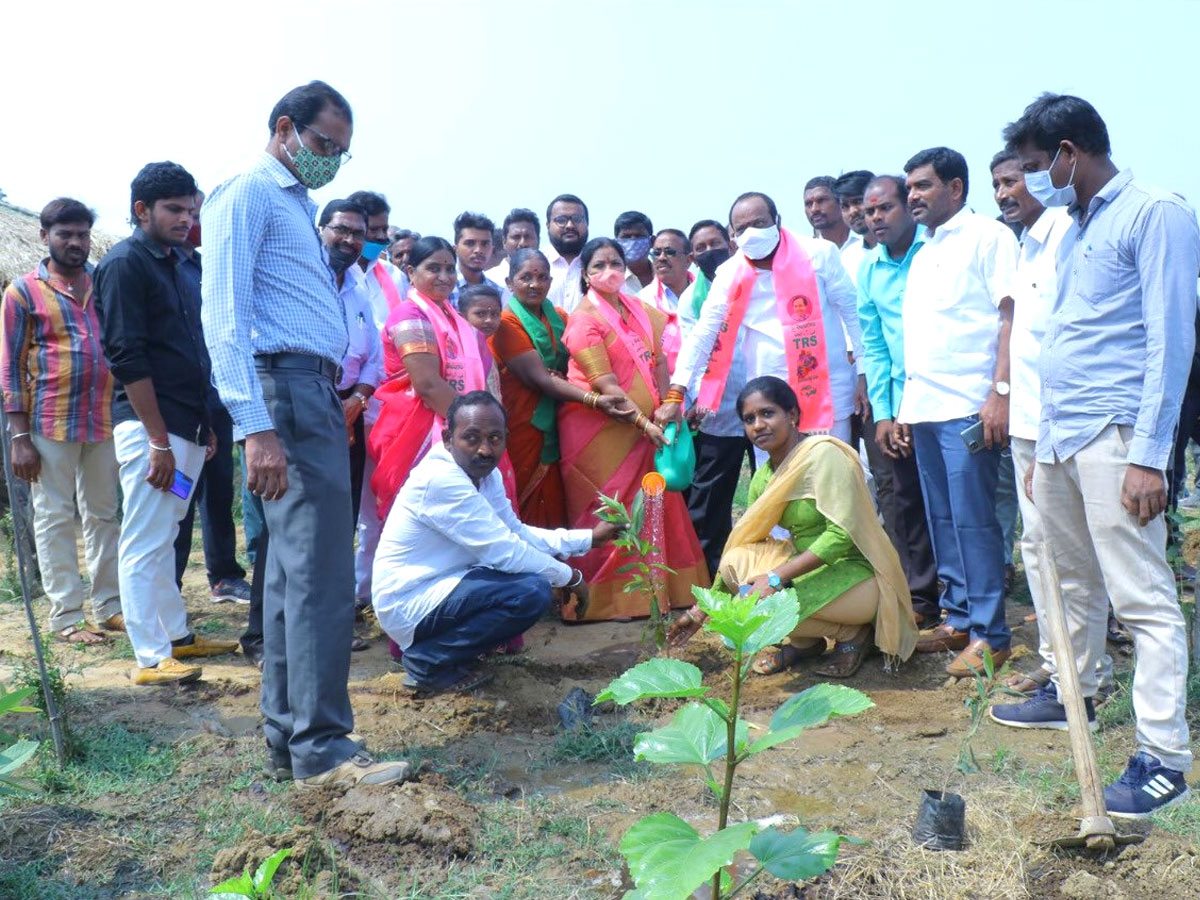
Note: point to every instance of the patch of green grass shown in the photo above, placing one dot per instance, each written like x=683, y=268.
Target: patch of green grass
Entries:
x=611, y=745
x=114, y=760
x=1183, y=820
x=31, y=881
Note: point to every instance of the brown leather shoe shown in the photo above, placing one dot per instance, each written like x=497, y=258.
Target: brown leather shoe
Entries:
x=115, y=622
x=942, y=637
x=971, y=660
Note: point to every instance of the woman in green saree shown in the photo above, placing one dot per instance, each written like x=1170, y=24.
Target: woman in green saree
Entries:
x=836, y=555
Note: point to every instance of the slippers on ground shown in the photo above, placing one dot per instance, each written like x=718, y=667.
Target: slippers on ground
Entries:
x=463, y=682
x=774, y=660
x=358, y=644
x=847, y=656
x=84, y=634
x=1024, y=683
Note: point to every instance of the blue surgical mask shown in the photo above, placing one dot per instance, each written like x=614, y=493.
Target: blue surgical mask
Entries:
x=1041, y=186
x=372, y=249
x=636, y=249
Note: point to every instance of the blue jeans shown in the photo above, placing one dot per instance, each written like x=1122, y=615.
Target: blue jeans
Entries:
x=960, y=504
x=1006, y=504
x=485, y=609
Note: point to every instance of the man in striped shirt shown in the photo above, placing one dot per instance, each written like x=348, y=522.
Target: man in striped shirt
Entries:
x=58, y=397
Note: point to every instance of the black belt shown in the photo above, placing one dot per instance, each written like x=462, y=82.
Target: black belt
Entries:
x=302, y=361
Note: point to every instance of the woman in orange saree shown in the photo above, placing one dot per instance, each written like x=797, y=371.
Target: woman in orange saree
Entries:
x=615, y=342
x=528, y=347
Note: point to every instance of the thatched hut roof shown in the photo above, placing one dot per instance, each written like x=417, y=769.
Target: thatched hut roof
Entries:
x=21, y=248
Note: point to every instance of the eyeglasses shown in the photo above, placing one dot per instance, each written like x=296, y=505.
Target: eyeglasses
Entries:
x=660, y=252
x=575, y=220
x=328, y=146
x=355, y=234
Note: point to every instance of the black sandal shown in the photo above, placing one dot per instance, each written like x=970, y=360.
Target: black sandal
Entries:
x=464, y=682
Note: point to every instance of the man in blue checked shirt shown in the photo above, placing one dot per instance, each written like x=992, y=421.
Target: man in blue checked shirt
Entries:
x=1113, y=365
x=276, y=331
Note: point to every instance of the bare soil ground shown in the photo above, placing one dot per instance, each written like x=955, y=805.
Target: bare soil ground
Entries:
x=166, y=796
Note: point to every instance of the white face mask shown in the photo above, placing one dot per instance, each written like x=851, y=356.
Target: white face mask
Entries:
x=1041, y=186
x=758, y=243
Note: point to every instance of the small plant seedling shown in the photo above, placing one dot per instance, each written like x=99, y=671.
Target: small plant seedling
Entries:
x=14, y=752
x=645, y=571
x=256, y=886
x=667, y=857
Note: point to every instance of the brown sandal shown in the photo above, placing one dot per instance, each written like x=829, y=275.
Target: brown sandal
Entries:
x=83, y=634
x=785, y=656
x=847, y=656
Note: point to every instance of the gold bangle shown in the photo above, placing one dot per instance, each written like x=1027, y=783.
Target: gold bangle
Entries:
x=592, y=399
x=640, y=422
x=674, y=396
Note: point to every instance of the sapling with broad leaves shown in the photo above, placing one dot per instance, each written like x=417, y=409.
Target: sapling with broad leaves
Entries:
x=668, y=858
x=645, y=571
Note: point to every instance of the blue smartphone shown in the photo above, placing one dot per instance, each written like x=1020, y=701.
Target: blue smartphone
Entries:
x=182, y=485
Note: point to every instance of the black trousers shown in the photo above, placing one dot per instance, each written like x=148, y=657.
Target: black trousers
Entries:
x=898, y=493
x=214, y=496
x=710, y=498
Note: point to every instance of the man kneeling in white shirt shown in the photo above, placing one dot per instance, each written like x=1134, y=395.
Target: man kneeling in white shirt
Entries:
x=456, y=572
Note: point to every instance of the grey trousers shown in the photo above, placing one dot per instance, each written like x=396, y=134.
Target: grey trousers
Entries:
x=307, y=621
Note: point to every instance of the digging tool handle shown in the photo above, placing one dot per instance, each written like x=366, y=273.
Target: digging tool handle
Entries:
x=1091, y=788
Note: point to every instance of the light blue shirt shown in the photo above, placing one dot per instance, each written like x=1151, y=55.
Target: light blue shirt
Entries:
x=881, y=281
x=1118, y=346
x=267, y=284
x=463, y=284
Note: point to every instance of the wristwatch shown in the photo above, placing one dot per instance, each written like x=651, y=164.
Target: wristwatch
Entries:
x=774, y=581
x=1001, y=388
x=362, y=398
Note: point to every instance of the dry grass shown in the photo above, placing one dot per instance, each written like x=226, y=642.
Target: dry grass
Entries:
x=21, y=247
x=995, y=862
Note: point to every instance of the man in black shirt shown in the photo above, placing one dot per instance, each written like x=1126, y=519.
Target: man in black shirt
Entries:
x=150, y=328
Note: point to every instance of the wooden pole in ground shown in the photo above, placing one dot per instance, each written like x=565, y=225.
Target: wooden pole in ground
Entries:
x=21, y=543
x=1096, y=827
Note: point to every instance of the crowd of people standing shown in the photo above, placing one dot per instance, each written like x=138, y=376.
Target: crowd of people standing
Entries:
x=425, y=424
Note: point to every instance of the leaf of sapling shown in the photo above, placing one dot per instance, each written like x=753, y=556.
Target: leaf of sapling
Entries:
x=696, y=736
x=668, y=858
x=266, y=870
x=655, y=678
x=818, y=705
x=774, y=738
x=241, y=886
x=782, y=615
x=637, y=513
x=796, y=855
x=12, y=758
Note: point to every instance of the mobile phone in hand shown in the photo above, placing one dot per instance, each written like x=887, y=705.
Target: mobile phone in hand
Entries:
x=182, y=485
x=973, y=437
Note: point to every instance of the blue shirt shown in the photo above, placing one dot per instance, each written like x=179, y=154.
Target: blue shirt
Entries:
x=463, y=284
x=881, y=281
x=267, y=284
x=1119, y=342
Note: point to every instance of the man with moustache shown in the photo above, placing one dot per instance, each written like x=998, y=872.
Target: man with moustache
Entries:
x=567, y=229
x=957, y=315
x=848, y=190
x=521, y=229
x=672, y=255
x=473, y=239
x=1034, y=290
x=150, y=329
x=823, y=212
x=881, y=282
x=1126, y=297
x=457, y=573
x=58, y=397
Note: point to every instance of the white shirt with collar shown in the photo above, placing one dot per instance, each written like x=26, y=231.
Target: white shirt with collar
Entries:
x=565, y=288
x=853, y=252
x=363, y=362
x=1034, y=292
x=951, y=318
x=375, y=293
x=442, y=526
x=761, y=334
x=723, y=421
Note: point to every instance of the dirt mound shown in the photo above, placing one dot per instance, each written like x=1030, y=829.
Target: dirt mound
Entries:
x=429, y=816
x=1165, y=866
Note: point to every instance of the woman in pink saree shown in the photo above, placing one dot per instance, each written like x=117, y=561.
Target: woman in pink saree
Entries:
x=615, y=342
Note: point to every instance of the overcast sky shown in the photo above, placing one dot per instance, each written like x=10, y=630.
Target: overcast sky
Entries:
x=672, y=107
